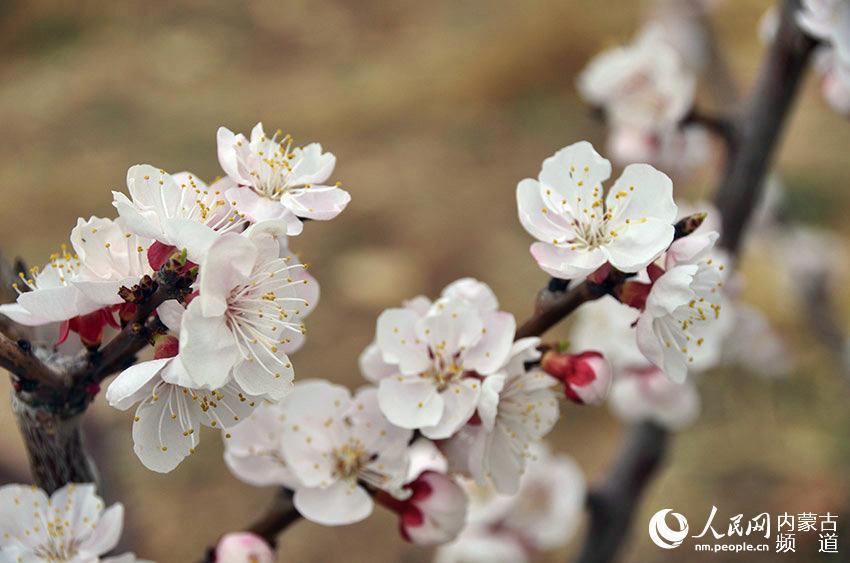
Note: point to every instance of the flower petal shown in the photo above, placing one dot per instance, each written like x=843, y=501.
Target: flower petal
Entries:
x=410, y=402
x=337, y=505
x=564, y=263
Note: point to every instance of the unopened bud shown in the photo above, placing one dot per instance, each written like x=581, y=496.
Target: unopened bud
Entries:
x=243, y=547
x=435, y=511
x=586, y=377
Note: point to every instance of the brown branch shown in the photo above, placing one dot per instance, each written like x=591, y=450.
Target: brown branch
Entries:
x=612, y=503
x=554, y=304
x=20, y=359
x=720, y=125
x=759, y=127
x=121, y=351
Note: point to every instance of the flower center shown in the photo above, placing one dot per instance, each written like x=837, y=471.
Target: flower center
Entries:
x=443, y=371
x=264, y=313
x=58, y=547
x=275, y=167
x=351, y=459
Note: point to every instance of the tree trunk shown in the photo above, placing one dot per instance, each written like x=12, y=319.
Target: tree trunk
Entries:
x=54, y=446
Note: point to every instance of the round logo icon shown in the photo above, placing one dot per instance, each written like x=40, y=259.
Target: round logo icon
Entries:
x=662, y=535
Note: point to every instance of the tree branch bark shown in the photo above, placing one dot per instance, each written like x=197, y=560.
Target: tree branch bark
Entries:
x=612, y=502
x=54, y=444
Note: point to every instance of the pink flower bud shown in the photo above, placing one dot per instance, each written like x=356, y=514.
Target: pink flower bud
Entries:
x=165, y=346
x=435, y=512
x=586, y=377
x=243, y=547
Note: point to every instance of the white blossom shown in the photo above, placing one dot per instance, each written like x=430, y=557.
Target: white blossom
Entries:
x=544, y=514
x=754, y=344
x=171, y=409
x=607, y=325
x=248, y=315
x=333, y=444
x=516, y=409
x=679, y=326
x=254, y=451
x=829, y=22
x=480, y=545
x=677, y=150
x=644, y=84
x=429, y=358
x=648, y=395
x=70, y=526
x=179, y=211
x=106, y=256
x=279, y=181
x=578, y=230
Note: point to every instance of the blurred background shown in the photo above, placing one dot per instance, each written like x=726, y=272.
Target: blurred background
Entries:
x=434, y=110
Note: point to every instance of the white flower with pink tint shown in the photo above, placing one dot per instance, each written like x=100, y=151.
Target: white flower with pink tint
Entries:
x=278, y=180
x=517, y=408
x=71, y=525
x=835, y=80
x=431, y=365
x=645, y=84
x=243, y=547
x=679, y=327
x=482, y=545
x=110, y=256
x=176, y=211
x=247, y=317
x=335, y=445
x=648, y=395
x=106, y=257
x=254, y=450
x=171, y=409
x=580, y=228
x=607, y=325
x=678, y=151
x=754, y=344
x=829, y=22
x=543, y=515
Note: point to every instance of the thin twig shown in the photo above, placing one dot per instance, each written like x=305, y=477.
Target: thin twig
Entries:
x=721, y=125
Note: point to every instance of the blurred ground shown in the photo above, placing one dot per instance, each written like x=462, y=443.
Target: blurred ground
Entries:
x=435, y=110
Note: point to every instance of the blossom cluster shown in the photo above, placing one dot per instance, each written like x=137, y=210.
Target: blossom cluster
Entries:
x=221, y=346
x=449, y=371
